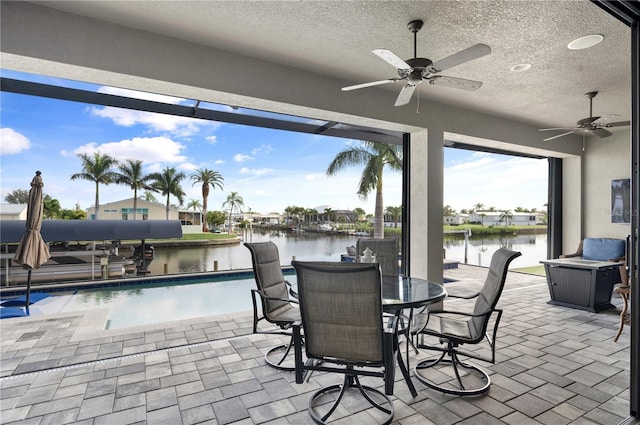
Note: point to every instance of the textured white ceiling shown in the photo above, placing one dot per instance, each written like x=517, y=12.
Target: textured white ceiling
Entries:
x=336, y=38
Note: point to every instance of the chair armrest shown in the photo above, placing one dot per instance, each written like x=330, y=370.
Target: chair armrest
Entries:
x=463, y=296
x=264, y=297
x=575, y=254
x=461, y=313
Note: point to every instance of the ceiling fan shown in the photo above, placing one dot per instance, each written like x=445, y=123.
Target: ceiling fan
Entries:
x=589, y=125
x=415, y=71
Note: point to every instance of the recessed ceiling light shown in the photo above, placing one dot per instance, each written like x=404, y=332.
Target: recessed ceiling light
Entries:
x=520, y=67
x=585, y=42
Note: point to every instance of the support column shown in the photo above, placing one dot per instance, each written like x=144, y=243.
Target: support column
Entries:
x=426, y=192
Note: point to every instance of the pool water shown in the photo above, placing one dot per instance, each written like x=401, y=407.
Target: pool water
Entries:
x=148, y=304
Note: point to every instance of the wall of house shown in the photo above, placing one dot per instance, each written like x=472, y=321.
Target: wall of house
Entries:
x=604, y=160
x=113, y=211
x=572, y=203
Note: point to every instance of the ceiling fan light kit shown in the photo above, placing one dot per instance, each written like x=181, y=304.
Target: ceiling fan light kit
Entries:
x=589, y=125
x=416, y=70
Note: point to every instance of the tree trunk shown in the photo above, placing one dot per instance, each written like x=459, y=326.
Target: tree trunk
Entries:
x=205, y=201
x=167, y=208
x=97, y=203
x=135, y=203
x=378, y=219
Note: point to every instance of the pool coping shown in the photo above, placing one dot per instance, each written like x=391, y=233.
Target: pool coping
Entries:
x=133, y=281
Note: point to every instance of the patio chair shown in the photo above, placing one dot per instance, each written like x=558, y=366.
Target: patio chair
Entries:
x=624, y=290
x=277, y=307
x=454, y=328
x=386, y=252
x=344, y=332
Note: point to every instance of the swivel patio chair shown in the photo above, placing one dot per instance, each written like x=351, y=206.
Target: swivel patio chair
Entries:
x=456, y=328
x=344, y=332
x=386, y=252
x=277, y=307
x=624, y=290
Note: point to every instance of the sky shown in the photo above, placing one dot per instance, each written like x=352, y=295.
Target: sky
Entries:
x=269, y=169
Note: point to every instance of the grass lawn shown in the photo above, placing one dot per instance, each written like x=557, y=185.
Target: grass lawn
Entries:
x=206, y=236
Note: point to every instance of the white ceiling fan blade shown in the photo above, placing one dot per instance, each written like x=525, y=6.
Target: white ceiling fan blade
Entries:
x=371, y=84
x=391, y=58
x=405, y=95
x=454, y=82
x=617, y=124
x=471, y=53
x=601, y=132
x=559, y=135
x=556, y=128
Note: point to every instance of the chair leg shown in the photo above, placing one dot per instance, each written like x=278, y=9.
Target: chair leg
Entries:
x=623, y=315
x=471, y=371
x=278, y=361
x=350, y=382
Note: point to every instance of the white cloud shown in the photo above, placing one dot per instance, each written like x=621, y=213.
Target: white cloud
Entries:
x=313, y=176
x=218, y=161
x=178, y=126
x=256, y=171
x=151, y=150
x=188, y=166
x=12, y=142
x=241, y=157
x=262, y=149
x=212, y=139
x=496, y=181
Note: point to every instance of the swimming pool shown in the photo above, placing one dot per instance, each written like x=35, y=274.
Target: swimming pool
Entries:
x=156, y=303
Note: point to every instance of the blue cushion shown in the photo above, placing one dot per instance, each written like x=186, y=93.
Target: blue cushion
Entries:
x=600, y=249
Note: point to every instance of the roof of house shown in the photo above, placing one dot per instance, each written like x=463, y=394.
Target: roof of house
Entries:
x=12, y=209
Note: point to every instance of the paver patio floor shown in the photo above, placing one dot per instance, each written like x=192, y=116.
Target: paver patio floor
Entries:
x=555, y=365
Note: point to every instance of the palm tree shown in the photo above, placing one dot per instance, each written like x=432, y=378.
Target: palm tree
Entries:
x=478, y=207
x=131, y=175
x=395, y=213
x=168, y=183
x=374, y=156
x=506, y=216
x=97, y=169
x=207, y=178
x=196, y=205
x=234, y=201
x=149, y=196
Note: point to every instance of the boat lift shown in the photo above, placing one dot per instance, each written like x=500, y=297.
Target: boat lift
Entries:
x=109, y=233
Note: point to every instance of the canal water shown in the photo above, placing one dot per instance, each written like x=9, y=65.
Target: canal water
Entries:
x=328, y=247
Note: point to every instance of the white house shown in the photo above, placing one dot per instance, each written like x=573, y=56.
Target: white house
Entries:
x=123, y=210
x=13, y=211
x=494, y=218
x=456, y=219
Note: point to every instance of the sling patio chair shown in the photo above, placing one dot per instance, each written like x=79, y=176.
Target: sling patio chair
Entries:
x=454, y=328
x=386, y=252
x=277, y=307
x=344, y=332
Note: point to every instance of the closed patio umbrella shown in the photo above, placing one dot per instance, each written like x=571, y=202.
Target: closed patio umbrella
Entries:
x=32, y=251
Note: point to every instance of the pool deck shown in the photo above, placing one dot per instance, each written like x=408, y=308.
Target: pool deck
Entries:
x=555, y=365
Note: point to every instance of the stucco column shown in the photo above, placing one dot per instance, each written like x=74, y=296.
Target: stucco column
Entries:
x=426, y=192
x=572, y=201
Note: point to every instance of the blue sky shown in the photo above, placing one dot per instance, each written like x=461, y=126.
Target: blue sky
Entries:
x=270, y=169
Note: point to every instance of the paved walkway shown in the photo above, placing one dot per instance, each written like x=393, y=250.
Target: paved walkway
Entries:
x=555, y=365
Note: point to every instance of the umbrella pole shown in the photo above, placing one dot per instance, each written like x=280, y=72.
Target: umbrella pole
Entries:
x=28, y=291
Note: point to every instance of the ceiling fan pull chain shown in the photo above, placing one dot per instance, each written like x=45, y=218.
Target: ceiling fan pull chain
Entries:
x=418, y=105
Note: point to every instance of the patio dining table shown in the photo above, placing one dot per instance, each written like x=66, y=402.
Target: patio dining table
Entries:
x=404, y=292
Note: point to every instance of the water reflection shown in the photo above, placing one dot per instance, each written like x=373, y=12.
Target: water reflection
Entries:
x=328, y=247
